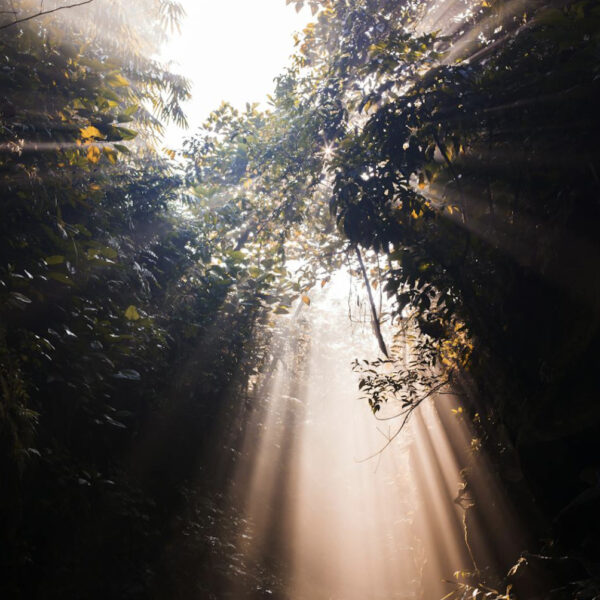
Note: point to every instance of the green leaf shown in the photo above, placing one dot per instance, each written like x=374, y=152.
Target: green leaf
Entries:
x=113, y=422
x=56, y=259
x=108, y=252
x=237, y=255
x=60, y=277
x=131, y=110
x=20, y=298
x=125, y=134
x=130, y=374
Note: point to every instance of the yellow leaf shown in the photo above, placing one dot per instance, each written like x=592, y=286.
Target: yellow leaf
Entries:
x=93, y=154
x=90, y=132
x=94, y=187
x=132, y=313
x=414, y=214
x=117, y=80
x=110, y=154
x=306, y=300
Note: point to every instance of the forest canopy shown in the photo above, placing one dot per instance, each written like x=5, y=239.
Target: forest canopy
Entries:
x=444, y=152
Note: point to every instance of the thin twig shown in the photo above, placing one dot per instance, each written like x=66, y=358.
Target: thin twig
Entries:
x=390, y=439
x=44, y=12
x=403, y=412
x=406, y=414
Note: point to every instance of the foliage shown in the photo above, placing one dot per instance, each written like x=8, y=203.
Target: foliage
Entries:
x=458, y=142
x=109, y=295
x=137, y=302
x=248, y=179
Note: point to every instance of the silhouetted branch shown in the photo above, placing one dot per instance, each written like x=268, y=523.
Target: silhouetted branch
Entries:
x=406, y=415
x=375, y=319
x=41, y=13
x=432, y=391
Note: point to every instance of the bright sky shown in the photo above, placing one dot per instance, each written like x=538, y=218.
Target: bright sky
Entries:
x=230, y=50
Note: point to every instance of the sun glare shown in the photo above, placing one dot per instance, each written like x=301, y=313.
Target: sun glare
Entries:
x=231, y=50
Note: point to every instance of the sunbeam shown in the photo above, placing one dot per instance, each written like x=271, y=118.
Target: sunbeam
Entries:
x=341, y=342
x=339, y=526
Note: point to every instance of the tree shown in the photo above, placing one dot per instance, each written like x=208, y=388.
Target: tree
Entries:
x=461, y=148
x=137, y=302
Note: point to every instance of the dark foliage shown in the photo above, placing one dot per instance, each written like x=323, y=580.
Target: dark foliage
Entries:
x=136, y=301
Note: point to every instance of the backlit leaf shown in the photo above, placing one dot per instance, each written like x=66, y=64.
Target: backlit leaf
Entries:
x=125, y=134
x=110, y=154
x=90, y=132
x=93, y=154
x=117, y=80
x=132, y=313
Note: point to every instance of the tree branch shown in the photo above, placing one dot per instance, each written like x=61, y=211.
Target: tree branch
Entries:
x=414, y=405
x=44, y=12
x=375, y=318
